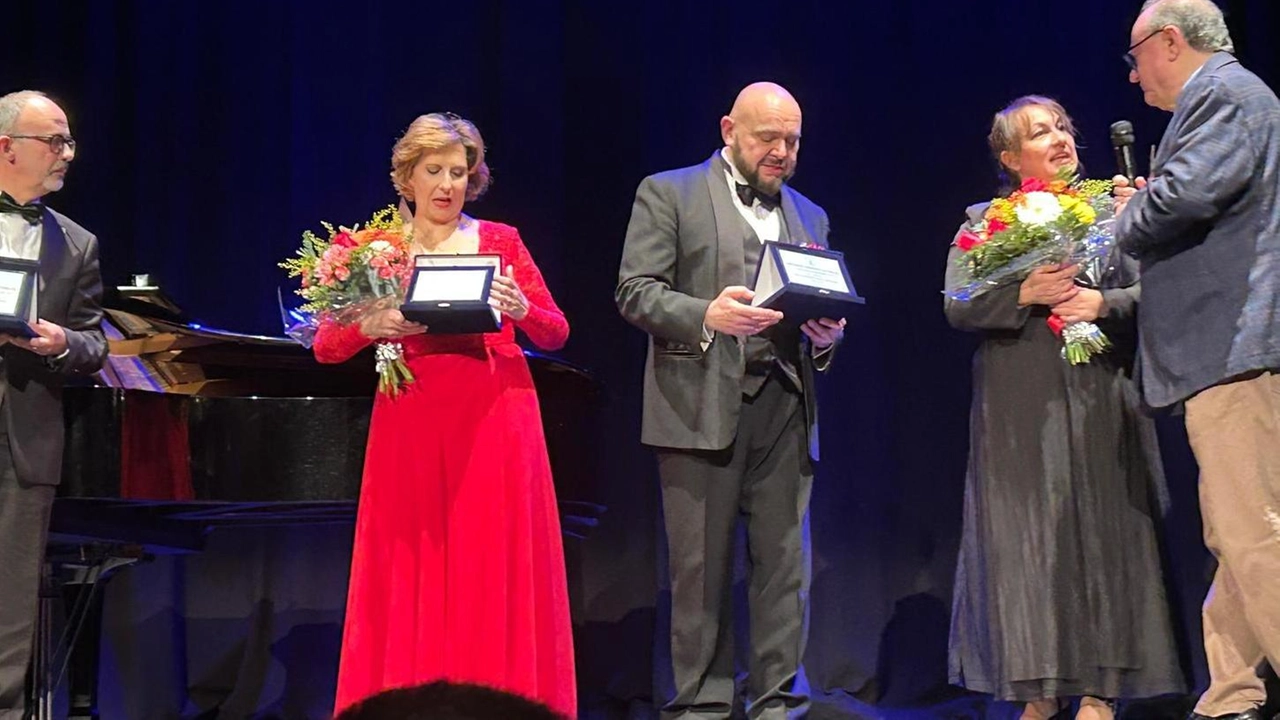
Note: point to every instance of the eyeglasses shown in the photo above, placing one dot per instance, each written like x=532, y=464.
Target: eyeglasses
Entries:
x=56, y=143
x=1132, y=61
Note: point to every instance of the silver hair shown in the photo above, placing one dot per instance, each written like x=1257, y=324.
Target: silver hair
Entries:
x=11, y=107
x=1200, y=21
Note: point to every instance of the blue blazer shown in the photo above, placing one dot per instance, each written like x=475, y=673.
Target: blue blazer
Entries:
x=1206, y=230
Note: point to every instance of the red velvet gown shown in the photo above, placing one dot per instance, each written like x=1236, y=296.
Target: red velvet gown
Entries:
x=458, y=568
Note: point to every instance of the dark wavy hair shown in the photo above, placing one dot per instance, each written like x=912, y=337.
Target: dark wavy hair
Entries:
x=443, y=700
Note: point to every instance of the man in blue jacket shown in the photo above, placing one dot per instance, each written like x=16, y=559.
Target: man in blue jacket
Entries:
x=1206, y=227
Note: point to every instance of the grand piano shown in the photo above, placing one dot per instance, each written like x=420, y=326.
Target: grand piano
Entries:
x=189, y=428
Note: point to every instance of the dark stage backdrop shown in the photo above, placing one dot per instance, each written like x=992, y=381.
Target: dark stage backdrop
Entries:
x=213, y=133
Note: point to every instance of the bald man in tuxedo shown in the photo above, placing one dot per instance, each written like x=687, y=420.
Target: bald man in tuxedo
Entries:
x=729, y=403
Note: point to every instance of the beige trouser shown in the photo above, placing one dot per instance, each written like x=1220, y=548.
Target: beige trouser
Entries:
x=1235, y=432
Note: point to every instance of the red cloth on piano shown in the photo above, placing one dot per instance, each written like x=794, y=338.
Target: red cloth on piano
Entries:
x=155, y=452
x=458, y=568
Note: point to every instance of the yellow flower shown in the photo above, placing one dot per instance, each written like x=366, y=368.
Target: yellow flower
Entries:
x=1094, y=188
x=1002, y=210
x=1074, y=205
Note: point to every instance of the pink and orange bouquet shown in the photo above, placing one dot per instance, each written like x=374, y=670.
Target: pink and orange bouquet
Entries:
x=1066, y=221
x=350, y=273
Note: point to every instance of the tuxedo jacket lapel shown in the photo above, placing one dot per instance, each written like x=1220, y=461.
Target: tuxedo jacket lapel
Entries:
x=52, y=302
x=800, y=233
x=730, y=259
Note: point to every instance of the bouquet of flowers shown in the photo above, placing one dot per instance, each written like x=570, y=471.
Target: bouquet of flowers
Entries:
x=350, y=273
x=1064, y=222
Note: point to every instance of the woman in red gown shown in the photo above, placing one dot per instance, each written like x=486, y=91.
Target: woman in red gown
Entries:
x=458, y=569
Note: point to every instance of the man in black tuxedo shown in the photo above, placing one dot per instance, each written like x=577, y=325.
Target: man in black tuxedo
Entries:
x=36, y=148
x=729, y=403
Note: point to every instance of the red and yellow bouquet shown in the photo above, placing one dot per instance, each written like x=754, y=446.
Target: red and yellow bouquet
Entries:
x=1065, y=222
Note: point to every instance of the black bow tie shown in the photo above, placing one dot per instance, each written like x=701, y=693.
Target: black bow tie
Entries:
x=746, y=194
x=32, y=212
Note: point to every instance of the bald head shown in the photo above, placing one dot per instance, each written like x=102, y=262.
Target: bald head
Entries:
x=762, y=135
x=761, y=97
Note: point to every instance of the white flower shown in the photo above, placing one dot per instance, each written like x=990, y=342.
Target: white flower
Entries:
x=380, y=246
x=1038, y=208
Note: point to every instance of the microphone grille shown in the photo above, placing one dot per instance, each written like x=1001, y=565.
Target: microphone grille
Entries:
x=1122, y=133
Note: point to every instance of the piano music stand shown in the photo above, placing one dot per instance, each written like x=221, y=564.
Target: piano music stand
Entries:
x=150, y=294
x=91, y=566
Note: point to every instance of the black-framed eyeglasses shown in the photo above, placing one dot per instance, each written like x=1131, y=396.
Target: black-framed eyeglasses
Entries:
x=1132, y=61
x=56, y=143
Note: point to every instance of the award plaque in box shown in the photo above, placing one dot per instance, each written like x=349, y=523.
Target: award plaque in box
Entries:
x=17, y=292
x=450, y=294
x=804, y=283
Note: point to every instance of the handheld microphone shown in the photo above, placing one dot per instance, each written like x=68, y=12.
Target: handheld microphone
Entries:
x=1122, y=142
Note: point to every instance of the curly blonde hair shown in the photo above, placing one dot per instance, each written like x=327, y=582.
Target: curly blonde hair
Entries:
x=436, y=131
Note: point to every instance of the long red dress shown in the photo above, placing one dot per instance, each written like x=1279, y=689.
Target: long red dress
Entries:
x=458, y=568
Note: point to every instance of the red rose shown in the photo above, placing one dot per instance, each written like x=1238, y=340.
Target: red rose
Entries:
x=994, y=226
x=968, y=241
x=342, y=273
x=344, y=239
x=1033, y=185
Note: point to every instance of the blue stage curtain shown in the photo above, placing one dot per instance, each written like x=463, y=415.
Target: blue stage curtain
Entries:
x=213, y=133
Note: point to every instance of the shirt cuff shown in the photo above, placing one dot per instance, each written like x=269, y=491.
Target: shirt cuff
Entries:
x=707, y=337
x=822, y=357
x=54, y=362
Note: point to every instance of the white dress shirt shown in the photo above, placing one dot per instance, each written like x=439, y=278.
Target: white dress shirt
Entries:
x=20, y=239
x=766, y=223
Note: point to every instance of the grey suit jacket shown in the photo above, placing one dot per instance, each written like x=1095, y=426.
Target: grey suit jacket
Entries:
x=683, y=247
x=71, y=296
x=1207, y=232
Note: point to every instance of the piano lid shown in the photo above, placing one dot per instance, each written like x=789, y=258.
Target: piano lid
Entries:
x=154, y=346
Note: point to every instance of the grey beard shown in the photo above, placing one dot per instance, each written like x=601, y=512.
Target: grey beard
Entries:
x=752, y=174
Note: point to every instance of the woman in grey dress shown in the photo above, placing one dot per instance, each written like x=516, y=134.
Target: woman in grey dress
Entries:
x=1059, y=593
